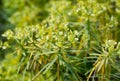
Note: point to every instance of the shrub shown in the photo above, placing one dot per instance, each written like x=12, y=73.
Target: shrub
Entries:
x=72, y=42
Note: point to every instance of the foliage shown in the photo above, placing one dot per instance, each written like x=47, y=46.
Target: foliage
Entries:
x=74, y=42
